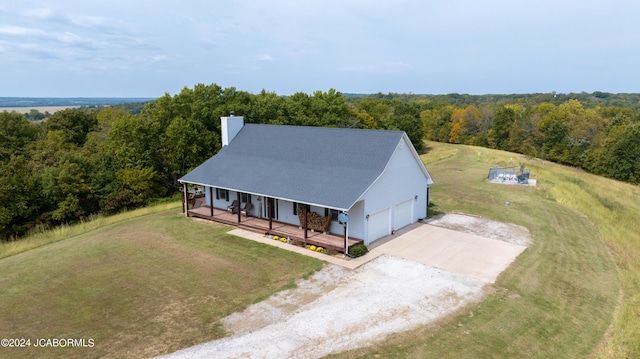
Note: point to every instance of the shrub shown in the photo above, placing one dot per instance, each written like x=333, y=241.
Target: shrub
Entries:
x=297, y=243
x=312, y=247
x=358, y=250
x=319, y=249
x=330, y=251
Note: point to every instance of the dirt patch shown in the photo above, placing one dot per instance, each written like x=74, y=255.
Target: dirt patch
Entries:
x=508, y=232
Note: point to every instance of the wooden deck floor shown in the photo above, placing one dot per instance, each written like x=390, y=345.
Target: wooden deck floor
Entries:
x=261, y=225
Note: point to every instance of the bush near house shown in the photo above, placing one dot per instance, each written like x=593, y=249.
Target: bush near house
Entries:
x=358, y=250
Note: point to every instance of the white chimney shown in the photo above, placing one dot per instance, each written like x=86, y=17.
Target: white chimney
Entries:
x=230, y=126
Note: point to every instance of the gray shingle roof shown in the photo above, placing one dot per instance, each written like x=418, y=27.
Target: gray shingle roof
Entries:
x=330, y=167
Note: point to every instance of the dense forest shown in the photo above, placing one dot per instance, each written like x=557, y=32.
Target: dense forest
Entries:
x=95, y=159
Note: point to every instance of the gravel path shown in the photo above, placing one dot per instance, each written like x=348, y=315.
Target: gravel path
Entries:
x=339, y=309
x=384, y=296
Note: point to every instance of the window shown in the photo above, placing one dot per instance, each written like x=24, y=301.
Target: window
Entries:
x=299, y=207
x=331, y=212
x=245, y=198
x=222, y=194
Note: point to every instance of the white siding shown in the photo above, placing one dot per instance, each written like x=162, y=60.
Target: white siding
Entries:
x=357, y=220
x=223, y=203
x=401, y=181
x=285, y=213
x=207, y=197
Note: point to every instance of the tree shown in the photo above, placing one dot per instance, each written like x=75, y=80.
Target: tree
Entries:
x=186, y=144
x=16, y=133
x=35, y=115
x=413, y=127
x=366, y=121
x=328, y=109
x=133, y=140
x=75, y=124
x=616, y=153
x=504, y=119
x=406, y=117
x=18, y=206
x=268, y=107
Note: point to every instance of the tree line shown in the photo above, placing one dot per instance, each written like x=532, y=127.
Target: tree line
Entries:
x=80, y=162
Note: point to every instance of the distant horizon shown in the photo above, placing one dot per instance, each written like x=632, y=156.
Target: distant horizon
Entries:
x=149, y=98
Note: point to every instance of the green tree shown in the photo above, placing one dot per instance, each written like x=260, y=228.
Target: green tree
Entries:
x=18, y=204
x=366, y=121
x=75, y=124
x=413, y=127
x=186, y=144
x=504, y=119
x=134, y=142
x=16, y=133
x=268, y=107
x=328, y=109
x=616, y=154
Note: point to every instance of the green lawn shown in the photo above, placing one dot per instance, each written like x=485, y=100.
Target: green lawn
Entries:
x=142, y=287
x=559, y=298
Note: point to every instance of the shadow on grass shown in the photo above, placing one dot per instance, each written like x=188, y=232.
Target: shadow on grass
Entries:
x=433, y=210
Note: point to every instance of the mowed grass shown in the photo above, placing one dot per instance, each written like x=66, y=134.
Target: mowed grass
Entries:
x=43, y=237
x=560, y=297
x=142, y=287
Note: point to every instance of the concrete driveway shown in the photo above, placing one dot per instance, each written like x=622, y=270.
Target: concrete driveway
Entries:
x=455, y=251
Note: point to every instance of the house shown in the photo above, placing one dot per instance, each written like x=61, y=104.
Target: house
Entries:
x=358, y=184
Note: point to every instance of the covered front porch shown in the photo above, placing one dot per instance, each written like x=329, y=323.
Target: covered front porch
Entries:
x=199, y=209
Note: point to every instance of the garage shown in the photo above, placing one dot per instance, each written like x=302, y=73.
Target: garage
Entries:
x=402, y=214
x=378, y=225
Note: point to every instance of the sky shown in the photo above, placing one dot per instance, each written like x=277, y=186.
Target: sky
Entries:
x=146, y=48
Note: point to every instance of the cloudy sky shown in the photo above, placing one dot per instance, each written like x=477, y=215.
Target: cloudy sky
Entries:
x=144, y=48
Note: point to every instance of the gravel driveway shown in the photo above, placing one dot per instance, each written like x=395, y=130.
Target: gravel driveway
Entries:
x=340, y=308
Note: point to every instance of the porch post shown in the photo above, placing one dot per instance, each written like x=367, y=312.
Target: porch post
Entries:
x=306, y=222
x=346, y=239
x=269, y=212
x=182, y=198
x=211, y=199
x=238, y=207
x=185, y=199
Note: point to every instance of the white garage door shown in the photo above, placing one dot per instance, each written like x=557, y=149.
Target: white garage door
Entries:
x=402, y=214
x=378, y=225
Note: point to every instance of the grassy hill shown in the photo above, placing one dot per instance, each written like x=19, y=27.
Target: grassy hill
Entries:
x=573, y=293
x=155, y=283
x=140, y=287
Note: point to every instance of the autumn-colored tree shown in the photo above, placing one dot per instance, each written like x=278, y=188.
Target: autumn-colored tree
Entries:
x=465, y=125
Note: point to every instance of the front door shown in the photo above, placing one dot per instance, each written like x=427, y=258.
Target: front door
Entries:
x=271, y=207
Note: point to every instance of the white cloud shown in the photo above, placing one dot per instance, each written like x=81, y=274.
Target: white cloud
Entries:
x=69, y=38
x=20, y=31
x=264, y=57
x=41, y=13
x=160, y=58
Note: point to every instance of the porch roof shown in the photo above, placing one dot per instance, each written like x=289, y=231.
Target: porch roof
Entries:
x=330, y=167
